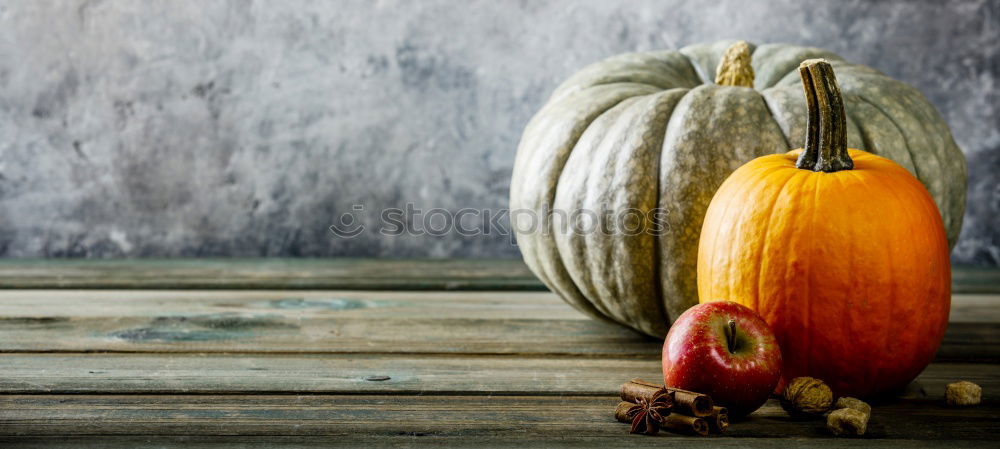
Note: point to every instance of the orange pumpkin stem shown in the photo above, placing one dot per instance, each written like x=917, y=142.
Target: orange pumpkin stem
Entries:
x=826, y=124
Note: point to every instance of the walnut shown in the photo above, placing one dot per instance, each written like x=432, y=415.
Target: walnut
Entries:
x=847, y=422
x=856, y=404
x=963, y=393
x=806, y=396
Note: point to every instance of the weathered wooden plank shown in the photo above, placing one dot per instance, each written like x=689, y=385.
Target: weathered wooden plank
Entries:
x=282, y=334
x=352, y=374
x=407, y=440
x=362, y=274
x=344, y=304
x=362, y=322
x=291, y=303
x=977, y=308
x=975, y=280
x=269, y=273
x=439, y=416
x=327, y=322
x=310, y=373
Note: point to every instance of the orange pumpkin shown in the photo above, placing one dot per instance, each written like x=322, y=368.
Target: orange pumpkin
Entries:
x=841, y=251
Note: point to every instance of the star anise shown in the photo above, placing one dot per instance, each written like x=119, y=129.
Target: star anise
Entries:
x=648, y=414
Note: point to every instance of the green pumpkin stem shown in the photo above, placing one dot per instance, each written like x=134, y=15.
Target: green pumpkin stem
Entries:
x=734, y=68
x=826, y=124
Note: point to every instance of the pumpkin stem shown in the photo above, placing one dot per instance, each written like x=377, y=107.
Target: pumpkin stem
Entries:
x=731, y=336
x=826, y=124
x=734, y=68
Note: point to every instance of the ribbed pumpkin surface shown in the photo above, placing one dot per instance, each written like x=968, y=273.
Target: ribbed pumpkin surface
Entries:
x=651, y=130
x=850, y=268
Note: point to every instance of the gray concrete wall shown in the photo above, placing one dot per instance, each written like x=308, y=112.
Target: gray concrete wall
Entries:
x=212, y=128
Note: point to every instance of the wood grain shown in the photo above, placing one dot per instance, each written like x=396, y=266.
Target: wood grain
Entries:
x=354, y=374
x=312, y=363
x=270, y=273
x=975, y=280
x=344, y=322
x=303, y=322
x=467, y=417
x=411, y=440
x=322, y=274
x=328, y=374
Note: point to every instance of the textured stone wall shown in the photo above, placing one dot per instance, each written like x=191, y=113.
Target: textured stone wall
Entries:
x=212, y=128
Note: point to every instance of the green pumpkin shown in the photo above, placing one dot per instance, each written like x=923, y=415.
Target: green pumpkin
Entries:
x=646, y=132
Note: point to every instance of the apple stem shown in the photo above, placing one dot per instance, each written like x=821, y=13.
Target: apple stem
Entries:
x=731, y=336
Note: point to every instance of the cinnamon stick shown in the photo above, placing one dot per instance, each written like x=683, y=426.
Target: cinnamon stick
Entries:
x=686, y=424
x=697, y=404
x=719, y=420
x=621, y=411
x=688, y=402
x=675, y=422
x=636, y=389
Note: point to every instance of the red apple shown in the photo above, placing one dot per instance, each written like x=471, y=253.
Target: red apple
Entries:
x=723, y=349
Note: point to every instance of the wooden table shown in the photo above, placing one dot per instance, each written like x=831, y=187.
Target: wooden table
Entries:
x=315, y=353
